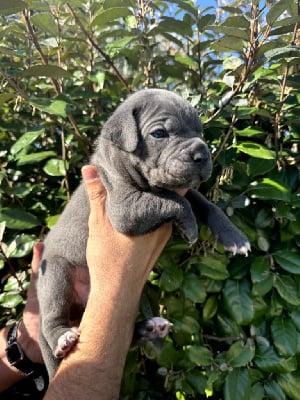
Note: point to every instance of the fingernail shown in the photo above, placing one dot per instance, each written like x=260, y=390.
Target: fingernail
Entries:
x=89, y=173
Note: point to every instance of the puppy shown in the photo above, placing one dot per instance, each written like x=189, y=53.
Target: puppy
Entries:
x=149, y=148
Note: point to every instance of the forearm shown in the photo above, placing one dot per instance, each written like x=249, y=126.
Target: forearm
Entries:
x=95, y=367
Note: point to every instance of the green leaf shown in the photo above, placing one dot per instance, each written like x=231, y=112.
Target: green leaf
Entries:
x=24, y=245
x=274, y=391
x=210, y=308
x=259, y=166
x=288, y=260
x=239, y=355
x=106, y=16
x=237, y=385
x=25, y=140
x=2, y=229
x=237, y=301
x=228, y=43
x=197, y=381
x=168, y=355
x=268, y=360
x=193, y=288
x=269, y=189
x=45, y=22
x=213, y=267
x=255, y=150
x=261, y=276
x=284, y=336
x=186, y=61
x=171, y=279
x=10, y=300
x=35, y=157
x=250, y=132
x=290, y=384
x=55, y=167
x=171, y=25
x=287, y=289
x=18, y=219
x=199, y=355
x=56, y=107
x=276, y=11
x=187, y=324
x=49, y=71
x=8, y=7
x=205, y=20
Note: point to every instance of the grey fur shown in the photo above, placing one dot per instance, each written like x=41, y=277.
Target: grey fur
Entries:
x=140, y=173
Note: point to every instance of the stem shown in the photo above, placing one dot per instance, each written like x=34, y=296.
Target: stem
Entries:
x=95, y=45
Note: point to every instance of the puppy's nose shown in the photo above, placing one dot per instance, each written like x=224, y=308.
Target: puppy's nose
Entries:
x=200, y=154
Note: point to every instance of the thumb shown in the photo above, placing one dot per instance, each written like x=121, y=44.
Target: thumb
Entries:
x=96, y=192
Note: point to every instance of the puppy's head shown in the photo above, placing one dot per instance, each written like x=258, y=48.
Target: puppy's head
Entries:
x=160, y=132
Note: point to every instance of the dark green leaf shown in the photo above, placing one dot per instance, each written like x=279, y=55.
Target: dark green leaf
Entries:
x=35, y=157
x=237, y=301
x=239, y=355
x=290, y=383
x=213, y=266
x=18, y=219
x=24, y=245
x=256, y=150
x=274, y=391
x=284, y=336
x=171, y=279
x=269, y=189
x=193, y=288
x=288, y=289
x=197, y=381
x=237, y=385
x=172, y=25
x=288, y=260
x=199, y=355
x=268, y=360
x=276, y=11
x=49, y=71
x=8, y=7
x=110, y=14
x=25, y=140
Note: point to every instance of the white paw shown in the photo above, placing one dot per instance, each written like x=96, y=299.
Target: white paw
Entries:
x=66, y=342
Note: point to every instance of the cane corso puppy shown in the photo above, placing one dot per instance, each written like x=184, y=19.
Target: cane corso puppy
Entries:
x=149, y=148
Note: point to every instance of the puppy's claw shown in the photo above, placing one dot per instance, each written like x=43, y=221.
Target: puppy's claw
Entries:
x=239, y=249
x=66, y=342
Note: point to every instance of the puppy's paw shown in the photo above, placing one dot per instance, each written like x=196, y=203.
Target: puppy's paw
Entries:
x=241, y=249
x=234, y=241
x=66, y=342
x=188, y=232
x=152, y=329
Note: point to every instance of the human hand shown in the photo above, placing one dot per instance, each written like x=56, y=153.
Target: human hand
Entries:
x=28, y=331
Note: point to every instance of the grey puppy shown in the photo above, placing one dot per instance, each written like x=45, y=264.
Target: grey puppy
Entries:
x=148, y=148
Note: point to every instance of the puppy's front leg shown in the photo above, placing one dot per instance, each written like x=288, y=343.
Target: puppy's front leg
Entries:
x=222, y=228
x=142, y=212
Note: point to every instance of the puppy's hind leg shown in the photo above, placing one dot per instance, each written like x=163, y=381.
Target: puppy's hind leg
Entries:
x=56, y=294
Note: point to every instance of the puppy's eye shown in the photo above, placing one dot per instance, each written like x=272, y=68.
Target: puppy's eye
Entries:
x=159, y=133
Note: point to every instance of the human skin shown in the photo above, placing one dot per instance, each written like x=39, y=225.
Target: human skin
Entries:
x=28, y=330
x=119, y=266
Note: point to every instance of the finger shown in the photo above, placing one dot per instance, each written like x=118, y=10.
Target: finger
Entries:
x=36, y=257
x=95, y=190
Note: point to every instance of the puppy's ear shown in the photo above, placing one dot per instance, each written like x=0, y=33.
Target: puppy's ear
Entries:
x=122, y=129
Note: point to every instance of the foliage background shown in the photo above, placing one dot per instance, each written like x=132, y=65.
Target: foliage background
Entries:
x=64, y=68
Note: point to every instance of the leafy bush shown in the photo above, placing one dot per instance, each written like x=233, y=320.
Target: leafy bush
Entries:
x=64, y=68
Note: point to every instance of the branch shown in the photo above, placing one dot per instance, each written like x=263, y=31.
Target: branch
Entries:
x=44, y=60
x=95, y=45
